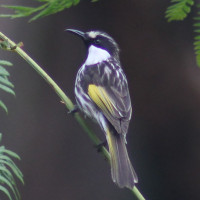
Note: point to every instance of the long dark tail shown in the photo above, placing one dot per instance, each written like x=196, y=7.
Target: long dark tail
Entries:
x=122, y=171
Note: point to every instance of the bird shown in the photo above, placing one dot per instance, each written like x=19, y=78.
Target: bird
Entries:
x=102, y=94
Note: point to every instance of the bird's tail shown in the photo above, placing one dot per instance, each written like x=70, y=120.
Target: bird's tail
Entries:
x=122, y=170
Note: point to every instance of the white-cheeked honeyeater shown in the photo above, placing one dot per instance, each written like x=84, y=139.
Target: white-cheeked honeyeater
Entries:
x=102, y=93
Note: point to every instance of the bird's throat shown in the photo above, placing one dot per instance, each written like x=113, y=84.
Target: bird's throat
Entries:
x=96, y=55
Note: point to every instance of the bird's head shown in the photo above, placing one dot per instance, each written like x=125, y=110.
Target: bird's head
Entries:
x=98, y=39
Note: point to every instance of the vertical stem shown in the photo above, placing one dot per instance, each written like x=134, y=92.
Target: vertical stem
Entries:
x=137, y=193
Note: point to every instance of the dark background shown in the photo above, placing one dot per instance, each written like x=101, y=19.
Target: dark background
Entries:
x=59, y=161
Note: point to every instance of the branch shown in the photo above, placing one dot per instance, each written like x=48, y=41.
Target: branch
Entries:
x=10, y=45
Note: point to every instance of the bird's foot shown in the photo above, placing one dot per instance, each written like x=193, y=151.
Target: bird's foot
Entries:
x=100, y=146
x=74, y=110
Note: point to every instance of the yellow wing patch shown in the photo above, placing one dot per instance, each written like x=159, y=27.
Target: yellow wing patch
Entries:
x=101, y=98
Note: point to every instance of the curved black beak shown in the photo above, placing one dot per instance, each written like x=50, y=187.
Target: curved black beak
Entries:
x=79, y=33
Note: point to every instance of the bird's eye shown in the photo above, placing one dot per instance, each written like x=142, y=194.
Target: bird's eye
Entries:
x=97, y=41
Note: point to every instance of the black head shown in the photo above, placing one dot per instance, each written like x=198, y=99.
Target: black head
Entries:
x=99, y=39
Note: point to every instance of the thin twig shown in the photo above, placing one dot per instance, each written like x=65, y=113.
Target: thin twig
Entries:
x=7, y=44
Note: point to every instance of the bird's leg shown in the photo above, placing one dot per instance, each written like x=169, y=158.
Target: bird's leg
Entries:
x=100, y=145
x=74, y=110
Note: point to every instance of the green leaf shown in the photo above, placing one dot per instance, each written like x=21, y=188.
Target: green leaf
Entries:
x=77, y=2
x=47, y=8
x=4, y=72
x=7, y=89
x=197, y=30
x=197, y=48
x=11, y=164
x=9, y=153
x=196, y=42
x=10, y=185
x=5, y=172
x=3, y=106
x=8, y=170
x=5, y=81
x=198, y=60
x=53, y=7
x=197, y=52
x=22, y=11
x=197, y=37
x=6, y=63
x=178, y=10
x=196, y=24
x=5, y=84
x=5, y=191
x=196, y=18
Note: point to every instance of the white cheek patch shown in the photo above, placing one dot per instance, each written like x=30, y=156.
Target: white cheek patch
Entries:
x=92, y=34
x=96, y=55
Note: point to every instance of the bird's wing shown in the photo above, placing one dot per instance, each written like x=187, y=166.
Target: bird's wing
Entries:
x=110, y=93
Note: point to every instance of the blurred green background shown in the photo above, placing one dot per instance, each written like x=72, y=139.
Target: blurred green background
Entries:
x=59, y=161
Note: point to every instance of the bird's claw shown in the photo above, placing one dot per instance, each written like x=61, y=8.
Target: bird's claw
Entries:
x=74, y=110
x=99, y=146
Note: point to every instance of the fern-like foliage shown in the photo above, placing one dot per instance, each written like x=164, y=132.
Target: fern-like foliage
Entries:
x=8, y=170
x=197, y=37
x=48, y=7
x=178, y=10
x=5, y=84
